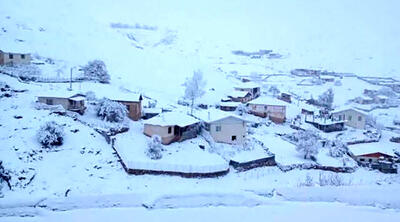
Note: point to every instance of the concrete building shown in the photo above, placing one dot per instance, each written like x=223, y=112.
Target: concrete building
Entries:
x=172, y=127
x=75, y=103
x=353, y=117
x=269, y=107
x=10, y=58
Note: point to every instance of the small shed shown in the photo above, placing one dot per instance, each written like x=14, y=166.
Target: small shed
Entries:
x=172, y=127
x=326, y=125
x=132, y=101
x=75, y=102
x=269, y=107
x=285, y=97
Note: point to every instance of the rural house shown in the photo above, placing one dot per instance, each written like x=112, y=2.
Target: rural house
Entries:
x=285, y=97
x=223, y=127
x=251, y=88
x=133, y=103
x=239, y=96
x=172, y=127
x=269, y=107
x=353, y=117
x=9, y=58
x=229, y=106
x=75, y=103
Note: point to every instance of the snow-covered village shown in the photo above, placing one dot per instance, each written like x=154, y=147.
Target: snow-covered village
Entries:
x=199, y=111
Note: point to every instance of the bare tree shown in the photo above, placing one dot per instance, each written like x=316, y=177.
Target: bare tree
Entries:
x=194, y=87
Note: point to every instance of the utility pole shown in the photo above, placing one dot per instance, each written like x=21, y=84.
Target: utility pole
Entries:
x=70, y=79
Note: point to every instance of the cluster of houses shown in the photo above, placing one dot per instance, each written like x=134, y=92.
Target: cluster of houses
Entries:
x=223, y=125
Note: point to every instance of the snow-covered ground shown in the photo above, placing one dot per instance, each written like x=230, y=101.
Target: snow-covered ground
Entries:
x=151, y=47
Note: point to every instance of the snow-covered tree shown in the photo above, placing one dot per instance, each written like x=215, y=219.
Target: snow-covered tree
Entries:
x=241, y=109
x=90, y=96
x=5, y=177
x=194, y=87
x=96, y=70
x=326, y=99
x=307, y=143
x=51, y=134
x=337, y=148
x=273, y=90
x=154, y=148
x=111, y=111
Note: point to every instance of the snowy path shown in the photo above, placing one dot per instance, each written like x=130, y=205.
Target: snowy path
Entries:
x=277, y=211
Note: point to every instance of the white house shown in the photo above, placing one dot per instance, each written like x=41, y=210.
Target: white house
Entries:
x=352, y=116
x=223, y=127
x=269, y=107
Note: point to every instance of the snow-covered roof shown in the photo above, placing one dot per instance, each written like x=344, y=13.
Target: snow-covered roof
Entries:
x=236, y=93
x=213, y=115
x=367, y=148
x=172, y=119
x=77, y=98
x=60, y=94
x=309, y=107
x=13, y=50
x=152, y=110
x=122, y=96
x=265, y=100
x=230, y=104
x=345, y=108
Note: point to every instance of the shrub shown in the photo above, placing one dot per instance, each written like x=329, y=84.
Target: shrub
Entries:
x=154, y=148
x=307, y=143
x=51, y=134
x=111, y=111
x=337, y=148
x=96, y=70
x=5, y=177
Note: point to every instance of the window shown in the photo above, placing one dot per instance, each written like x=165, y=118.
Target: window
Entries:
x=340, y=117
x=22, y=56
x=359, y=118
x=370, y=160
x=218, y=128
x=362, y=159
x=169, y=130
x=49, y=101
x=10, y=56
x=128, y=107
x=349, y=118
x=233, y=138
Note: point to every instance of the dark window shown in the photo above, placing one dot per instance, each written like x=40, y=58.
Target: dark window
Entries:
x=10, y=56
x=359, y=118
x=370, y=160
x=49, y=101
x=233, y=138
x=169, y=130
x=128, y=107
x=218, y=128
x=350, y=117
x=362, y=159
x=22, y=56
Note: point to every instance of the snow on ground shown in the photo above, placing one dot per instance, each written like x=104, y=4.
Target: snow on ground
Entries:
x=185, y=156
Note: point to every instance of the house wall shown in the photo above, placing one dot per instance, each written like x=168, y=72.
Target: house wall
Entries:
x=17, y=59
x=162, y=131
x=1, y=58
x=229, y=127
x=276, y=114
x=64, y=102
x=352, y=118
x=134, y=109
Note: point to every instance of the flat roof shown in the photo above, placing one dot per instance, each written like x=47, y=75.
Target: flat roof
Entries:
x=268, y=101
x=213, y=115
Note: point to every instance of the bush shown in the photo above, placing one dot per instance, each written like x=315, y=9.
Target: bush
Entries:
x=337, y=148
x=96, y=70
x=242, y=109
x=5, y=177
x=154, y=148
x=51, y=134
x=111, y=111
x=307, y=143
x=331, y=179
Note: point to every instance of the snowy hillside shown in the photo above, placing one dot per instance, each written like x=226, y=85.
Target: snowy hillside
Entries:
x=150, y=48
